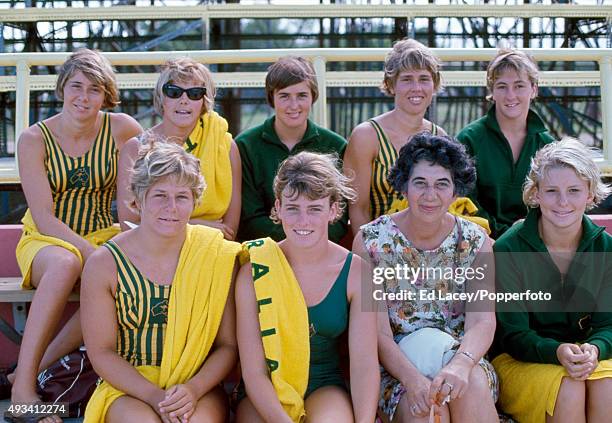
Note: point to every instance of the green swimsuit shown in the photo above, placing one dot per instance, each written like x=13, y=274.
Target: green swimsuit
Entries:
x=328, y=321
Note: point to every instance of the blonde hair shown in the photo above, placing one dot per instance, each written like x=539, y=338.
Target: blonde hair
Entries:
x=314, y=175
x=567, y=153
x=96, y=68
x=158, y=159
x=287, y=71
x=409, y=54
x=185, y=70
x=511, y=59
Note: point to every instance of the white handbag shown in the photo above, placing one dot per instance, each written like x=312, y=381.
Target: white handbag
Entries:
x=428, y=349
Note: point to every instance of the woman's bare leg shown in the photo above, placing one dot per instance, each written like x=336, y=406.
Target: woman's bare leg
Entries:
x=329, y=404
x=476, y=405
x=599, y=394
x=55, y=270
x=130, y=409
x=570, y=405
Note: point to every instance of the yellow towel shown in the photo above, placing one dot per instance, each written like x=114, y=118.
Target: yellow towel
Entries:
x=32, y=242
x=528, y=391
x=462, y=207
x=283, y=319
x=210, y=142
x=197, y=301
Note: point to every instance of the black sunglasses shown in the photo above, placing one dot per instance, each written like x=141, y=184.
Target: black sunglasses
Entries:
x=194, y=93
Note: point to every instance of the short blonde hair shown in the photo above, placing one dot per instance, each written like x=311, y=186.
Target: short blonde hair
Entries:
x=158, y=159
x=511, y=59
x=290, y=70
x=185, y=70
x=314, y=175
x=568, y=153
x=409, y=54
x=96, y=68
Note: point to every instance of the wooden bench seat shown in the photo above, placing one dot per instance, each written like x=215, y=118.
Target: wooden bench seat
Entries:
x=11, y=292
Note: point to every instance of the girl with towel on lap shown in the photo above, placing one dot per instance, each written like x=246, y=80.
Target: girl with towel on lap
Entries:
x=68, y=168
x=184, y=97
x=554, y=360
x=296, y=298
x=159, y=312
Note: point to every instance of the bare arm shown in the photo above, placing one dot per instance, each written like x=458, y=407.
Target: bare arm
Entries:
x=480, y=316
x=479, y=329
x=360, y=153
x=365, y=376
x=124, y=127
x=258, y=385
x=99, y=323
x=231, y=219
x=125, y=131
x=127, y=156
x=35, y=184
x=391, y=356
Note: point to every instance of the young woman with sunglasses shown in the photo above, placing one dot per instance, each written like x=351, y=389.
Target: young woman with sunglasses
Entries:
x=184, y=97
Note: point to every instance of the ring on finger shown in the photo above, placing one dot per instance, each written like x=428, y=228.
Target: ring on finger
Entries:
x=450, y=386
x=413, y=408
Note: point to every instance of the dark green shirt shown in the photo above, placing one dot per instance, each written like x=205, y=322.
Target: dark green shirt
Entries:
x=498, y=193
x=261, y=152
x=581, y=306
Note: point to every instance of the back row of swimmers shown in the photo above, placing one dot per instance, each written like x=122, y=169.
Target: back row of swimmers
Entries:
x=69, y=186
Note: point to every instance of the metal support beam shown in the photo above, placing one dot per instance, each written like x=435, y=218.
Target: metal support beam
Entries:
x=19, y=317
x=319, y=112
x=605, y=69
x=22, y=101
x=206, y=32
x=271, y=11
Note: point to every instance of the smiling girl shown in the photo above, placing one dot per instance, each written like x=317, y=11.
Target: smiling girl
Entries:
x=184, y=98
x=291, y=89
x=412, y=77
x=554, y=358
x=505, y=139
x=296, y=299
x=68, y=167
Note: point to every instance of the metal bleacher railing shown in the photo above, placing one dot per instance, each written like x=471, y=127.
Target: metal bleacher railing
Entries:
x=23, y=83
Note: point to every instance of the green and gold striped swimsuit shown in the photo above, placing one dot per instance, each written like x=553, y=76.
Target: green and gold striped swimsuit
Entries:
x=83, y=187
x=142, y=312
x=382, y=194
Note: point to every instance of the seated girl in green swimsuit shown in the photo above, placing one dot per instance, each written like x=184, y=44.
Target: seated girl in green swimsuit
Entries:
x=296, y=298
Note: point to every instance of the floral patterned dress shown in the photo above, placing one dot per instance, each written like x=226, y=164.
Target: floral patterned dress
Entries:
x=388, y=247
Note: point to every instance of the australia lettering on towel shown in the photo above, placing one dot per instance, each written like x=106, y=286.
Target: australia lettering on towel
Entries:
x=260, y=270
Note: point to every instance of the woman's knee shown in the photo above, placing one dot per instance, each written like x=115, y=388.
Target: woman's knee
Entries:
x=329, y=404
x=572, y=394
x=128, y=408
x=598, y=392
x=64, y=265
x=212, y=407
x=478, y=385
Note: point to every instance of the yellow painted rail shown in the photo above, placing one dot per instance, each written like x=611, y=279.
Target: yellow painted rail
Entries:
x=23, y=83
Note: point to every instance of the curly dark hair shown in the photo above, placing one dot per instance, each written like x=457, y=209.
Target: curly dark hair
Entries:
x=437, y=150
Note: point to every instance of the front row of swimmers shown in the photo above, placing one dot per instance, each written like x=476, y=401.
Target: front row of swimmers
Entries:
x=168, y=307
